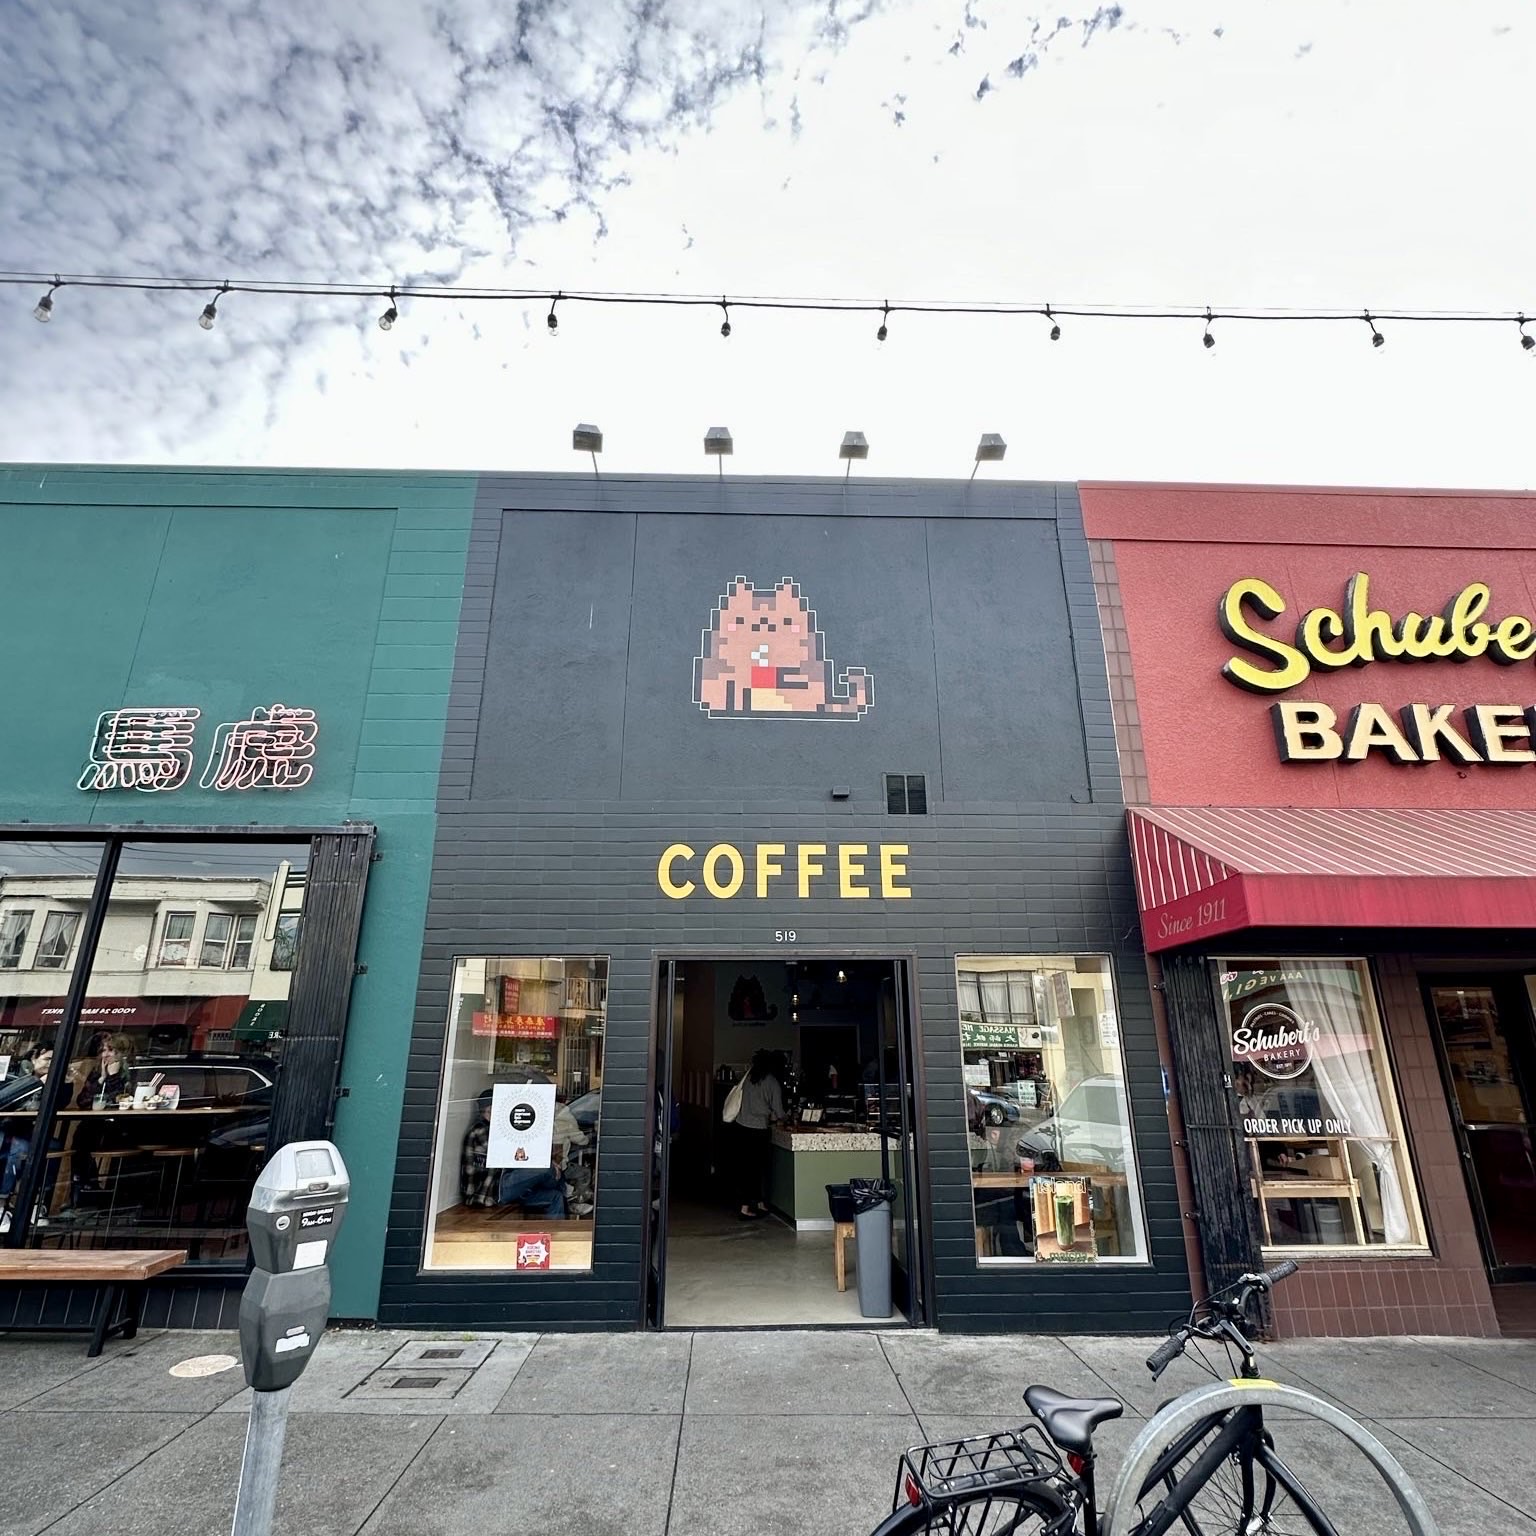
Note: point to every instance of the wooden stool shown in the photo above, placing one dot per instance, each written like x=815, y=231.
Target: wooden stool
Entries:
x=842, y=1232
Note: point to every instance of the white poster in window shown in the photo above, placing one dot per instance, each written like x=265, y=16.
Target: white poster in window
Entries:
x=522, y=1125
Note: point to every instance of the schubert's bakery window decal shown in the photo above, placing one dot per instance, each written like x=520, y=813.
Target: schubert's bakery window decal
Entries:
x=762, y=655
x=1316, y=1105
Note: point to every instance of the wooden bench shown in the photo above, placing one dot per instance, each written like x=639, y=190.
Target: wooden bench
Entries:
x=120, y=1275
x=842, y=1234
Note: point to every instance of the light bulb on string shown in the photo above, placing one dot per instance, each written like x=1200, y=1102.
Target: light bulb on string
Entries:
x=1526, y=339
x=42, y=311
x=390, y=315
x=1377, y=339
x=1208, y=340
x=553, y=321
x=884, y=331
x=1055, y=328
x=725, y=325
x=211, y=309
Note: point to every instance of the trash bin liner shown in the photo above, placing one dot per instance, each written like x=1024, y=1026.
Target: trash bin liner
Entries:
x=872, y=1238
x=840, y=1202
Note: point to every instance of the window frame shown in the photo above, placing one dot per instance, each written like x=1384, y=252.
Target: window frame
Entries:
x=66, y=917
x=235, y=941
x=29, y=916
x=445, y=1151
x=161, y=963
x=1034, y=963
x=1391, y=1098
x=203, y=941
x=285, y=941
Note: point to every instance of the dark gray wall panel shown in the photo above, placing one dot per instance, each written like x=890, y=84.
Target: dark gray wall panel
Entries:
x=552, y=714
x=1011, y=722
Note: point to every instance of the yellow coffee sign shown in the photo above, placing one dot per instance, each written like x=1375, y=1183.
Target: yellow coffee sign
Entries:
x=849, y=871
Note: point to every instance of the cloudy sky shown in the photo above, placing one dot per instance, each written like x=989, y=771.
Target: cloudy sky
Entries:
x=1362, y=153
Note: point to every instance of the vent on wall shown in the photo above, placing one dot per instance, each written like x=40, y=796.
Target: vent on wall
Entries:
x=906, y=794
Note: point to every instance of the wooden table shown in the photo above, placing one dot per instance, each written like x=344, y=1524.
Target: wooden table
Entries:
x=121, y=1274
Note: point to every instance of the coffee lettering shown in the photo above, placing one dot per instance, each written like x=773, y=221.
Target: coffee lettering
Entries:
x=723, y=871
x=768, y=856
x=712, y=881
x=810, y=864
x=849, y=868
x=669, y=886
x=893, y=865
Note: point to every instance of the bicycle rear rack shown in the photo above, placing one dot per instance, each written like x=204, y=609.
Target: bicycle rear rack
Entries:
x=1004, y=1463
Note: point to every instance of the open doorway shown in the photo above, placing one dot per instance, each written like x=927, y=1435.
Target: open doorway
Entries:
x=744, y=1231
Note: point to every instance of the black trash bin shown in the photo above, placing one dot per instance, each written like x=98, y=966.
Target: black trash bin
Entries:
x=872, y=1200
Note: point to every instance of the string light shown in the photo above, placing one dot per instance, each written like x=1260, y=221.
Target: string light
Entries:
x=1208, y=339
x=1526, y=339
x=211, y=309
x=390, y=315
x=1051, y=313
x=42, y=311
x=725, y=325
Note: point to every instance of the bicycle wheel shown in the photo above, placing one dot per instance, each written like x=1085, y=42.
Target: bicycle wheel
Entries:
x=1312, y=1471
x=1001, y=1514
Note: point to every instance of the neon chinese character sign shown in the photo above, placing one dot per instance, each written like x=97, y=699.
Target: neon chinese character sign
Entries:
x=272, y=749
x=144, y=749
x=151, y=750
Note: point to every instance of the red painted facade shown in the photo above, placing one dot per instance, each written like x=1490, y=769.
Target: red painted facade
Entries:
x=1207, y=742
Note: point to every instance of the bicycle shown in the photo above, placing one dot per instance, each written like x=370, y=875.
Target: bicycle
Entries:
x=1205, y=1464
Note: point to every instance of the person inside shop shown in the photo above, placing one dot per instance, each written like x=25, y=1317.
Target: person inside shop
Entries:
x=762, y=1104
x=539, y=1191
x=14, y=1145
x=102, y=1082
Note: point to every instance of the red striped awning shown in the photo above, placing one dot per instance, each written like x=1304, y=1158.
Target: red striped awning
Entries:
x=1203, y=870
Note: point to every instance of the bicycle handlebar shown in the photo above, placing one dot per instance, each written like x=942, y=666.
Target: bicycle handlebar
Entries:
x=1174, y=1345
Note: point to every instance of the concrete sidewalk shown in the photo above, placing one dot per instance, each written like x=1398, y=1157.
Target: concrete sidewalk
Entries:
x=706, y=1434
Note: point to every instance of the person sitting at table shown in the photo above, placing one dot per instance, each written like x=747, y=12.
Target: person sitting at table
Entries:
x=107, y=1080
x=18, y=1145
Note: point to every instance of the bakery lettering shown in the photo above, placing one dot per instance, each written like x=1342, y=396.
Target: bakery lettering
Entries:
x=850, y=871
x=1357, y=634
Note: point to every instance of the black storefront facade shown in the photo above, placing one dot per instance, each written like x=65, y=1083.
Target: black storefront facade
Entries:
x=739, y=751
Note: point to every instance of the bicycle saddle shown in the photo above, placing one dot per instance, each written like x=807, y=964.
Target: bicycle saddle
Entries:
x=1071, y=1421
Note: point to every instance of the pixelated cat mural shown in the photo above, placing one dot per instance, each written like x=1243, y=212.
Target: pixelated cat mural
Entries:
x=762, y=655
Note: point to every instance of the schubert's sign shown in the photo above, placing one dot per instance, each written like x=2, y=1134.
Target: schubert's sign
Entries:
x=1356, y=634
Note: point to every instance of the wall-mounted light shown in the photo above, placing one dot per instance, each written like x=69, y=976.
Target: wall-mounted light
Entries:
x=989, y=450
x=718, y=443
x=854, y=446
x=587, y=439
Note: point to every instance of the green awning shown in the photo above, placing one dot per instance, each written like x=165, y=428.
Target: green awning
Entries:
x=261, y=1018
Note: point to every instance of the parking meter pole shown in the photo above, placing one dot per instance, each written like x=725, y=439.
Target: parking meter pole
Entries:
x=295, y=1212
x=257, y=1498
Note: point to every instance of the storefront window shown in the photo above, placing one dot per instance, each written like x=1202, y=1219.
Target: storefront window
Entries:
x=1317, y=1105
x=514, y=1183
x=1053, y=1166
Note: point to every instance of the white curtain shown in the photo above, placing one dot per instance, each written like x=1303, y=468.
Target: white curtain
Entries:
x=1347, y=1078
x=994, y=995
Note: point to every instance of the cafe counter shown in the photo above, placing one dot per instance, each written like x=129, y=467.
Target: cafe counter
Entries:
x=807, y=1158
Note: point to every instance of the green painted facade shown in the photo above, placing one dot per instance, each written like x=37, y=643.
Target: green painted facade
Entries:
x=226, y=590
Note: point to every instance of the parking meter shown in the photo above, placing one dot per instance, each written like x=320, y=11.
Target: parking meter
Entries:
x=293, y=1218
x=295, y=1213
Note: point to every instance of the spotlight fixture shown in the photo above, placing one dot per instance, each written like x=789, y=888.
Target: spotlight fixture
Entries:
x=725, y=325
x=390, y=315
x=718, y=442
x=211, y=309
x=989, y=450
x=553, y=322
x=1377, y=339
x=884, y=331
x=588, y=439
x=42, y=311
x=1208, y=340
x=1526, y=339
